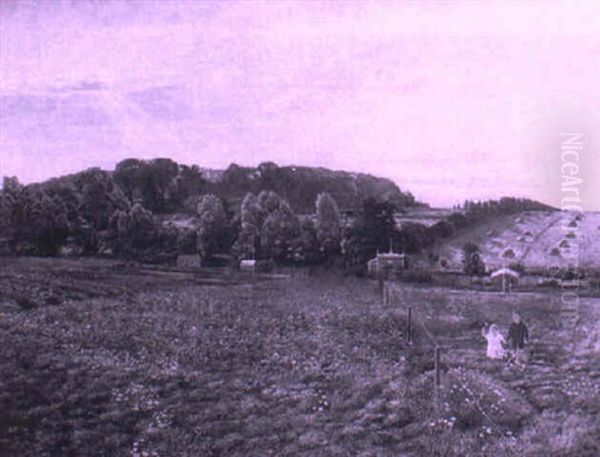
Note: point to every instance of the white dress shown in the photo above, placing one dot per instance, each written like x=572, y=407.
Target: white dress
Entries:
x=494, y=345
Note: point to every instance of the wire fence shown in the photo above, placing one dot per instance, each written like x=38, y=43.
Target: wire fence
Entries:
x=390, y=298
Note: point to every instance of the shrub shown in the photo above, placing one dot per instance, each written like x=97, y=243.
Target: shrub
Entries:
x=518, y=267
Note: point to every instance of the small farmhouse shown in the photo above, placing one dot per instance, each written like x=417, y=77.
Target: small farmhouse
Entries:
x=506, y=276
x=248, y=265
x=384, y=264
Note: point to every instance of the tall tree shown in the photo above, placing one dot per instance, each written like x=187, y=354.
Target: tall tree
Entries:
x=328, y=224
x=269, y=200
x=126, y=176
x=473, y=265
x=371, y=231
x=212, y=228
x=279, y=230
x=142, y=229
x=96, y=206
x=252, y=216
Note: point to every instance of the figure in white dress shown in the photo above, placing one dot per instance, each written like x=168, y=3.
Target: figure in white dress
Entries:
x=495, y=342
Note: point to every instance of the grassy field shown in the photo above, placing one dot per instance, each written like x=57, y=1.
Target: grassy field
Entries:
x=120, y=360
x=532, y=236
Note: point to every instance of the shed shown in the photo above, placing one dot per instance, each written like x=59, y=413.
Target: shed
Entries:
x=248, y=265
x=505, y=274
x=382, y=264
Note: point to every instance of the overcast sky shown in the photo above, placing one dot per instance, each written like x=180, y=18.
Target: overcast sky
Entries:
x=452, y=100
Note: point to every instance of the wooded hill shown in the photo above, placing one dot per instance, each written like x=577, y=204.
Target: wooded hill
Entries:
x=155, y=210
x=164, y=186
x=97, y=211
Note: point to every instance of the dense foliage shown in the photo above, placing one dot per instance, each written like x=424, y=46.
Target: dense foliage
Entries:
x=472, y=263
x=287, y=214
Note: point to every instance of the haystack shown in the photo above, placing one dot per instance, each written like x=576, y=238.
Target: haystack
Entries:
x=508, y=253
x=564, y=244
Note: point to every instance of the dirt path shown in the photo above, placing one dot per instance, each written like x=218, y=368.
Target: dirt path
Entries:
x=558, y=377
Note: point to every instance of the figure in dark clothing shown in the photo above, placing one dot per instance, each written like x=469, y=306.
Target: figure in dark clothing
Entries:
x=518, y=337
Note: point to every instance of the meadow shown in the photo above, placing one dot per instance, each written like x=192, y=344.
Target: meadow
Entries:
x=537, y=239
x=123, y=360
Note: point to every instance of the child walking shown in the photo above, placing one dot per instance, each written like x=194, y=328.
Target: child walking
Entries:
x=495, y=342
x=518, y=337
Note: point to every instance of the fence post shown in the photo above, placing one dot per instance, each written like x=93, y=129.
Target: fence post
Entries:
x=409, y=326
x=438, y=377
x=385, y=290
x=389, y=294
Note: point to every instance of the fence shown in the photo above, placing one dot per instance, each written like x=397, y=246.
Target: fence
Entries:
x=391, y=294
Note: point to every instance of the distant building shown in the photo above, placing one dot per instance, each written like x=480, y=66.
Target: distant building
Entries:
x=384, y=264
x=248, y=265
x=507, y=277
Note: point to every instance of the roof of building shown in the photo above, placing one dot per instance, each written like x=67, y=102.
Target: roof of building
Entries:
x=505, y=271
x=391, y=255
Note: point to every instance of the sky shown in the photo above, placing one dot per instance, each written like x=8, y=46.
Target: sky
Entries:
x=451, y=100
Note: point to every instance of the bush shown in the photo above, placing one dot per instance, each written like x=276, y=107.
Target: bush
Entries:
x=518, y=267
x=265, y=266
x=420, y=275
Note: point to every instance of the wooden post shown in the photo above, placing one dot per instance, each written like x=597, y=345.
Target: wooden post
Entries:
x=438, y=377
x=409, y=326
x=386, y=294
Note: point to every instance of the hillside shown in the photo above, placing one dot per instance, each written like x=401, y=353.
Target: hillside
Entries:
x=538, y=239
x=301, y=185
x=164, y=185
x=422, y=215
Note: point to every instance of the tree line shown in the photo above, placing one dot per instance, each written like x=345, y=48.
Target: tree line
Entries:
x=122, y=214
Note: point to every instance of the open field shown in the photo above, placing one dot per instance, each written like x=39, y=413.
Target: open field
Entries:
x=422, y=215
x=532, y=236
x=131, y=362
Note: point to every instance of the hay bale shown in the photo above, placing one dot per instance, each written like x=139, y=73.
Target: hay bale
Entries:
x=508, y=254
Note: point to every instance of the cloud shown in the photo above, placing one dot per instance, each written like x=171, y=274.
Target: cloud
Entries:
x=420, y=92
x=169, y=103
